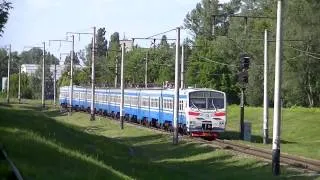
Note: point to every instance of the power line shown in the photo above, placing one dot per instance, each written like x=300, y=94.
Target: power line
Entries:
x=162, y=33
x=311, y=54
x=207, y=59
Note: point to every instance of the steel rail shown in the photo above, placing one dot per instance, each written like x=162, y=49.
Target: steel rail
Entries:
x=13, y=167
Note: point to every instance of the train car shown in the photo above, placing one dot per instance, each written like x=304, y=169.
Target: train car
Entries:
x=202, y=112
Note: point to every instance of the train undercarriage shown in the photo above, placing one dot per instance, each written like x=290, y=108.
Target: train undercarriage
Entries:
x=167, y=126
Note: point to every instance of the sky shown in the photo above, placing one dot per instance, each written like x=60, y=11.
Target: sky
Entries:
x=32, y=22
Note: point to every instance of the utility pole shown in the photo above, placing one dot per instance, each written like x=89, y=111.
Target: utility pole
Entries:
x=265, y=91
x=245, y=25
x=43, y=80
x=122, y=85
x=55, y=69
x=71, y=76
x=8, y=79
x=19, y=88
x=182, y=66
x=116, y=77
x=55, y=83
x=146, y=71
x=176, y=91
x=277, y=95
x=214, y=25
x=92, y=116
x=242, y=114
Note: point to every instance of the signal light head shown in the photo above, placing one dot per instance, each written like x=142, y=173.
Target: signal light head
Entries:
x=243, y=77
x=244, y=62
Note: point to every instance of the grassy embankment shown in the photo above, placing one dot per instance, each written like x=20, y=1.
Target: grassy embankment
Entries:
x=300, y=129
x=48, y=145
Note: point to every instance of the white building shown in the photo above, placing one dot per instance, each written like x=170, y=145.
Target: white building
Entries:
x=29, y=68
x=128, y=44
x=4, y=84
x=32, y=68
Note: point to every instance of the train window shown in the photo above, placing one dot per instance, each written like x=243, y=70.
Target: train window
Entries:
x=164, y=104
x=105, y=98
x=180, y=105
x=133, y=100
x=76, y=95
x=127, y=100
x=154, y=102
x=145, y=102
x=170, y=104
x=88, y=96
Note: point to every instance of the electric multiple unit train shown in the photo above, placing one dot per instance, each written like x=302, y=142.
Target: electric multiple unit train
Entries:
x=202, y=112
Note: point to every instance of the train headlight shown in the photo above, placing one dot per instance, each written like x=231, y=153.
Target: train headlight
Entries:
x=192, y=122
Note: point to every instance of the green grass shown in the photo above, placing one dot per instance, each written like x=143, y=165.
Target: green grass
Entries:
x=48, y=145
x=300, y=129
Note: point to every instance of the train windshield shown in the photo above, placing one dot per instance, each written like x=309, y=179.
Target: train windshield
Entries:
x=208, y=100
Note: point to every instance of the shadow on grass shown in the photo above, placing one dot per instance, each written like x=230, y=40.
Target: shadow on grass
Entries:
x=46, y=149
x=234, y=135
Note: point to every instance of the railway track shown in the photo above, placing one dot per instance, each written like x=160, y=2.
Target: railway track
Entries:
x=294, y=161
x=15, y=172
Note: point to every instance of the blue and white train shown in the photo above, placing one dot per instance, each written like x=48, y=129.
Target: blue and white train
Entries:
x=202, y=112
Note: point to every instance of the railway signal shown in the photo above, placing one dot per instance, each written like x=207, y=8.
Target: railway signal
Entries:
x=243, y=78
x=244, y=62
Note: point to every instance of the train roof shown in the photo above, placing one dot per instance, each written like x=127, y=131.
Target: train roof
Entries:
x=145, y=90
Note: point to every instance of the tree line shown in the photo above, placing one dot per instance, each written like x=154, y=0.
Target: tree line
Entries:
x=212, y=59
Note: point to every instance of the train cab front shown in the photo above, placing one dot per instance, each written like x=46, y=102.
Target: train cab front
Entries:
x=206, y=115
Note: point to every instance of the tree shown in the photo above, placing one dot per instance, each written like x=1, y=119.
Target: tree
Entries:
x=5, y=6
x=208, y=54
x=34, y=56
x=101, y=43
x=67, y=61
x=113, y=55
x=200, y=20
x=163, y=42
x=26, y=91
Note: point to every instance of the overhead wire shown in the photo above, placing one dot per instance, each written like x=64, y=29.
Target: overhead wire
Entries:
x=161, y=33
x=310, y=54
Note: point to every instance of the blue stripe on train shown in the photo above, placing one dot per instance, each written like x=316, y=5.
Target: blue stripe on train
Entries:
x=150, y=113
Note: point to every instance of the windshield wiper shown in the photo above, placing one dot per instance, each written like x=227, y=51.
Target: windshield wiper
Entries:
x=194, y=105
x=213, y=105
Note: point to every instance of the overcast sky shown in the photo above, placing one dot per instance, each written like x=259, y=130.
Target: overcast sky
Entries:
x=34, y=21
